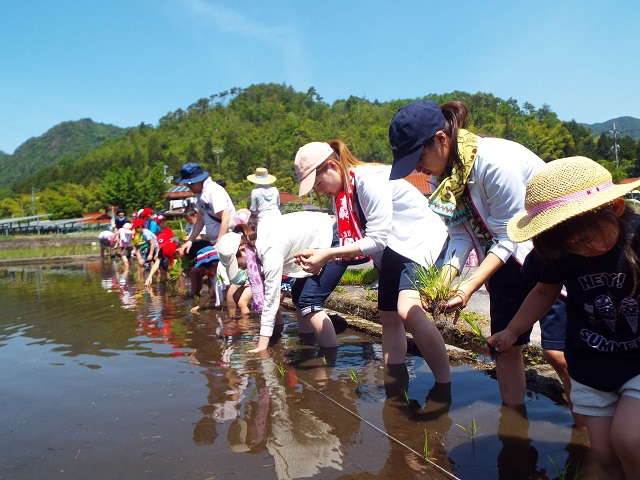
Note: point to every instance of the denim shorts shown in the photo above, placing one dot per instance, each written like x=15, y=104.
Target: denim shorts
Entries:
x=507, y=290
x=310, y=293
x=286, y=284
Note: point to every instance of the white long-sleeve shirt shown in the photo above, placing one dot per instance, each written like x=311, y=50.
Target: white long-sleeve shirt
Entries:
x=497, y=184
x=398, y=216
x=279, y=239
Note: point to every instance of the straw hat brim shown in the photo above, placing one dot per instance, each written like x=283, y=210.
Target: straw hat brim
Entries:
x=524, y=227
x=266, y=180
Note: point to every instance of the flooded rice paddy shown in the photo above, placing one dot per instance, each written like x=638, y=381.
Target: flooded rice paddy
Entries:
x=104, y=379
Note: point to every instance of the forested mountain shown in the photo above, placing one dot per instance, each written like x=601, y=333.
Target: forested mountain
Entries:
x=66, y=140
x=233, y=132
x=626, y=126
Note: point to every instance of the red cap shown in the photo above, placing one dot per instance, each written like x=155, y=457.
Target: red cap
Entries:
x=138, y=222
x=169, y=251
x=145, y=212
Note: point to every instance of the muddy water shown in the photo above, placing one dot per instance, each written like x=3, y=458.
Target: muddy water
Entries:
x=103, y=379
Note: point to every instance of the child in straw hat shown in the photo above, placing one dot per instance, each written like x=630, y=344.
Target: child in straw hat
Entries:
x=585, y=238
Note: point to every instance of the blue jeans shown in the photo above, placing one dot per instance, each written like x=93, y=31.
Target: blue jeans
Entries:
x=309, y=293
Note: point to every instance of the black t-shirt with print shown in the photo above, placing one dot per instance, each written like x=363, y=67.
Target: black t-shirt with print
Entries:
x=603, y=340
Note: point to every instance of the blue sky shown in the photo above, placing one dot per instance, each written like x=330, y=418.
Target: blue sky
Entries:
x=125, y=62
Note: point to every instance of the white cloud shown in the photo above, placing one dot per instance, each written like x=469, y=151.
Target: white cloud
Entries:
x=285, y=39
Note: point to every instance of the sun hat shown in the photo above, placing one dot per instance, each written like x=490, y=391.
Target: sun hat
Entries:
x=412, y=126
x=261, y=177
x=160, y=218
x=308, y=158
x=563, y=189
x=227, y=249
x=206, y=255
x=127, y=226
x=192, y=173
x=138, y=222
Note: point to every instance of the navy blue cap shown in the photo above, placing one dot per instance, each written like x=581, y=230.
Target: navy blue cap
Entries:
x=412, y=126
x=192, y=173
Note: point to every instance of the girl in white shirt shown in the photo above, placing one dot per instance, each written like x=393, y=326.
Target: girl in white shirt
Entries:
x=267, y=255
x=376, y=218
x=481, y=186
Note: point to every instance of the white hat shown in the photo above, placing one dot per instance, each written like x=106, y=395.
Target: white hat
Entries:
x=227, y=250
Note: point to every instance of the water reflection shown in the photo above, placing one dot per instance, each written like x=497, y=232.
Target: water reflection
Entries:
x=156, y=383
x=432, y=418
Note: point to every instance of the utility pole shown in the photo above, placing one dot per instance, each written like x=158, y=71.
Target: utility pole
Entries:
x=33, y=200
x=217, y=151
x=615, y=142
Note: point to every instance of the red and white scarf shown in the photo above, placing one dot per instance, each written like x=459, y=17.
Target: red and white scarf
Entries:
x=349, y=224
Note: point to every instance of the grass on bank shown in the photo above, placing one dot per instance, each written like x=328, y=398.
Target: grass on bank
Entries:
x=47, y=252
x=359, y=276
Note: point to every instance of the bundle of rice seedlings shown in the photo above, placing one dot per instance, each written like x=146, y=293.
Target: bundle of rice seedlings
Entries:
x=434, y=289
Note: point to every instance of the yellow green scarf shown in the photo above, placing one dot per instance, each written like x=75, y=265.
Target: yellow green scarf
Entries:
x=444, y=200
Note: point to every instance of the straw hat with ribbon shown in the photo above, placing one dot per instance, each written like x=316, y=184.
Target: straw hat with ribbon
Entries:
x=563, y=189
x=261, y=177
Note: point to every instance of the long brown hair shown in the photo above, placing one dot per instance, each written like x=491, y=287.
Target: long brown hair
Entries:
x=249, y=234
x=344, y=159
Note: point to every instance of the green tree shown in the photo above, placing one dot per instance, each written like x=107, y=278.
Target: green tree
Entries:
x=65, y=207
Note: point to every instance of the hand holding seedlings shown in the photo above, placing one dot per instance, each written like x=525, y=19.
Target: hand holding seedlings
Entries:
x=493, y=352
x=436, y=291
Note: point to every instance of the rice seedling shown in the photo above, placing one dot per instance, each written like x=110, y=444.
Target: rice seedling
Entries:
x=427, y=452
x=405, y=395
x=324, y=361
x=281, y=369
x=562, y=474
x=371, y=295
x=472, y=431
x=433, y=288
x=468, y=317
x=175, y=271
x=353, y=375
